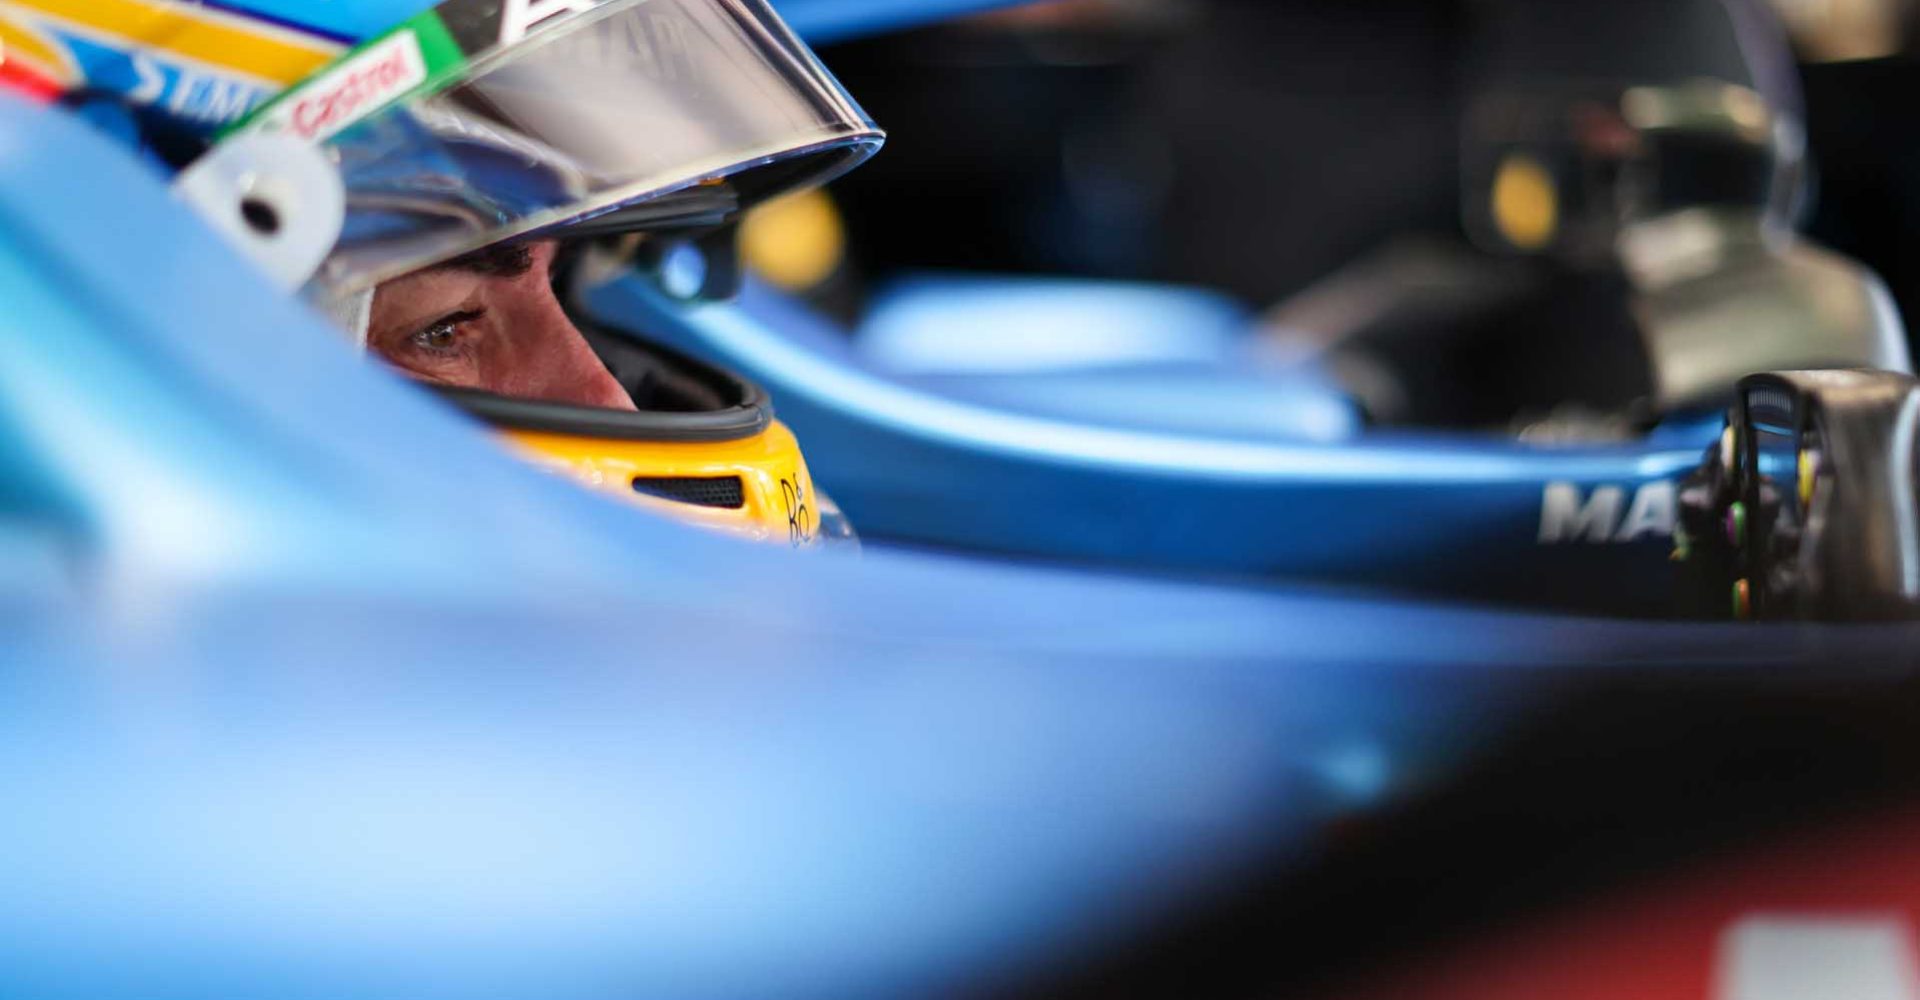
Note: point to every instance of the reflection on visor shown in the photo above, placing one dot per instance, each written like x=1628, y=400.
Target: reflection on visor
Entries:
x=482, y=121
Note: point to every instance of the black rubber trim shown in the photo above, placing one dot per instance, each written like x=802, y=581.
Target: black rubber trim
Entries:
x=752, y=416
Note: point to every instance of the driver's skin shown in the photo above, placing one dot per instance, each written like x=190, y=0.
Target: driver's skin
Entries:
x=490, y=320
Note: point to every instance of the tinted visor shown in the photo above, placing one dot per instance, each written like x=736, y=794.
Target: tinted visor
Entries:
x=484, y=121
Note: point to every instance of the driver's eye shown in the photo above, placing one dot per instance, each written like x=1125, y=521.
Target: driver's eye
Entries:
x=443, y=337
x=438, y=337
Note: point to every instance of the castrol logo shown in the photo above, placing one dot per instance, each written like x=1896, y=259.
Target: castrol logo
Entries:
x=352, y=90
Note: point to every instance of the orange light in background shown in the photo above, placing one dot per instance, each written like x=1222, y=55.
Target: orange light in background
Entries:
x=1526, y=203
x=796, y=242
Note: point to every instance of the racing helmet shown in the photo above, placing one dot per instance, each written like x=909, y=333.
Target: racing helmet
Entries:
x=1657, y=146
x=1584, y=120
x=631, y=133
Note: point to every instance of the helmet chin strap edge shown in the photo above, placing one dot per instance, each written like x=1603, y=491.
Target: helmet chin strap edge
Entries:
x=351, y=314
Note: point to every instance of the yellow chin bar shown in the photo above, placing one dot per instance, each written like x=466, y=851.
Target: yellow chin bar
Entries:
x=755, y=487
x=731, y=469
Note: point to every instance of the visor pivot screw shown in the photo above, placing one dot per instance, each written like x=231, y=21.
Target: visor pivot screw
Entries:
x=260, y=216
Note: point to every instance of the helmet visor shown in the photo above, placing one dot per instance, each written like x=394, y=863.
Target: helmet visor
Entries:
x=483, y=121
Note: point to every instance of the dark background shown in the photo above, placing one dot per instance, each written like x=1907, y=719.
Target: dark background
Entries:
x=1255, y=146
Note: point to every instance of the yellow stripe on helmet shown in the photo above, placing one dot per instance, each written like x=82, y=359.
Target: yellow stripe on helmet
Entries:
x=21, y=43
x=266, y=53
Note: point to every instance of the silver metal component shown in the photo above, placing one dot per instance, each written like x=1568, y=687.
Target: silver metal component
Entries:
x=836, y=532
x=1720, y=294
x=1702, y=106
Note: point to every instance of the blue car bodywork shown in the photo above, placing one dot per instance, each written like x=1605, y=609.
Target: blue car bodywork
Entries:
x=1199, y=469
x=309, y=691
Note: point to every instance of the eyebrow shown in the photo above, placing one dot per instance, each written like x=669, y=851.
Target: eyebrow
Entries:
x=494, y=262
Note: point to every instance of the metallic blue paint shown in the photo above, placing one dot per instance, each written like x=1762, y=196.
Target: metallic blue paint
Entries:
x=1224, y=480
x=306, y=690
x=981, y=323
